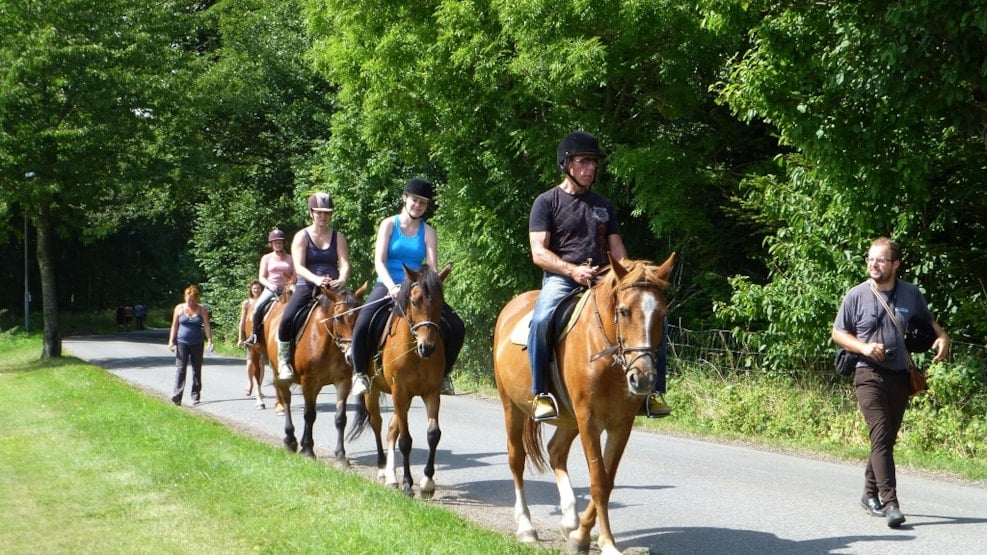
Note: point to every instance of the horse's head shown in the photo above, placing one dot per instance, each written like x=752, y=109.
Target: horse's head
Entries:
x=340, y=309
x=420, y=303
x=633, y=293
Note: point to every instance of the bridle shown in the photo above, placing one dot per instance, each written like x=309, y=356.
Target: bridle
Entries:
x=329, y=323
x=407, y=317
x=619, y=352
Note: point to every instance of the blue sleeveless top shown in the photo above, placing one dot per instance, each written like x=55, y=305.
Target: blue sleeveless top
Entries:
x=402, y=249
x=190, y=331
x=322, y=262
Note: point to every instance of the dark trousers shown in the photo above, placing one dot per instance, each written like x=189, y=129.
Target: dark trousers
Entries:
x=882, y=396
x=185, y=354
x=302, y=295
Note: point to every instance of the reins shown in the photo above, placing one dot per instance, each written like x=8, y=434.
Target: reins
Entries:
x=619, y=351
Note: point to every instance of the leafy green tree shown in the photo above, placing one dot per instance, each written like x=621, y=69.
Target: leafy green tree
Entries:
x=883, y=105
x=86, y=87
x=476, y=96
x=257, y=122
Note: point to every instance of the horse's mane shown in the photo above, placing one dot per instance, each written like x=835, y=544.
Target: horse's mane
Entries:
x=347, y=298
x=428, y=280
x=637, y=271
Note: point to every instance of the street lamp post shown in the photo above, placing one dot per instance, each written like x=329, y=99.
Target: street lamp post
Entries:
x=27, y=288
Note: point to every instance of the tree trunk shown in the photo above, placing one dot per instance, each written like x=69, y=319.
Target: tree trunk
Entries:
x=52, y=347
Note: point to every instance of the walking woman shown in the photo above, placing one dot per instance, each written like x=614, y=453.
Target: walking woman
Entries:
x=189, y=331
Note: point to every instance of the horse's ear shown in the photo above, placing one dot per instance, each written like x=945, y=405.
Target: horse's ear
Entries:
x=619, y=270
x=445, y=271
x=412, y=275
x=665, y=270
x=361, y=291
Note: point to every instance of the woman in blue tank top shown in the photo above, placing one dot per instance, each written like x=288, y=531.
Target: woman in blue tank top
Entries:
x=190, y=330
x=403, y=240
x=321, y=257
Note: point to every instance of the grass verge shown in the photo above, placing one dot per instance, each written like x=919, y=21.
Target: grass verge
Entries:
x=91, y=465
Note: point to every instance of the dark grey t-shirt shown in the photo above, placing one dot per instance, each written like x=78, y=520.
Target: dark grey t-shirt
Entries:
x=862, y=316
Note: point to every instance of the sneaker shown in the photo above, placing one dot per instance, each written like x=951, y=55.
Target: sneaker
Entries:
x=250, y=341
x=544, y=407
x=360, y=384
x=655, y=407
x=447, y=388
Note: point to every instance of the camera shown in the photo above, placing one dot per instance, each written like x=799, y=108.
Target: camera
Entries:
x=890, y=353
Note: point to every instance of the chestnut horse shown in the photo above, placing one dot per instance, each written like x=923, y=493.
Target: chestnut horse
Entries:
x=412, y=364
x=606, y=367
x=319, y=360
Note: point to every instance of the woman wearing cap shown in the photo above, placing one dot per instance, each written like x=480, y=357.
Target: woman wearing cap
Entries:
x=403, y=240
x=321, y=259
x=276, y=271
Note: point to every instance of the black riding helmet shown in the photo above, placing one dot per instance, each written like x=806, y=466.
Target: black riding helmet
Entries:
x=577, y=142
x=420, y=187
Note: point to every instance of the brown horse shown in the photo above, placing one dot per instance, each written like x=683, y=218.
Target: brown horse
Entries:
x=319, y=360
x=606, y=366
x=412, y=364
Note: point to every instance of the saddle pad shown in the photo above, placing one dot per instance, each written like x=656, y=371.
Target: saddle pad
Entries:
x=519, y=335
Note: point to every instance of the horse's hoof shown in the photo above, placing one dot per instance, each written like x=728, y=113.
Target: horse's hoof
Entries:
x=261, y=406
x=577, y=544
x=527, y=536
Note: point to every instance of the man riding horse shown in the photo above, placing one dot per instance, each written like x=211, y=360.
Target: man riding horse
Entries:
x=572, y=229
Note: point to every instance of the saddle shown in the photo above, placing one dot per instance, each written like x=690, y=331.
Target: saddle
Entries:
x=563, y=319
x=561, y=323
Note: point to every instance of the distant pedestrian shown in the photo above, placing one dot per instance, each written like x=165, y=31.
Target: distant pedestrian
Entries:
x=140, y=314
x=189, y=331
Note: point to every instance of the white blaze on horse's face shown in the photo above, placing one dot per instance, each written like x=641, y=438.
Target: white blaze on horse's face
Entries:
x=652, y=314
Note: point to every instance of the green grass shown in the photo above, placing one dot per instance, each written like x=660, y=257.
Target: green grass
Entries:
x=91, y=465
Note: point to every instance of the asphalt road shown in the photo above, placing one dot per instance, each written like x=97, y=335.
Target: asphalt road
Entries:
x=674, y=495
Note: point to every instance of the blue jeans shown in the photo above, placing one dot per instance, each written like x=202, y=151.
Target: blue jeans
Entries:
x=554, y=288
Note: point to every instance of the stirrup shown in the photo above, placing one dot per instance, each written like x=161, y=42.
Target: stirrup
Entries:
x=655, y=407
x=447, y=387
x=361, y=384
x=286, y=374
x=251, y=341
x=545, y=407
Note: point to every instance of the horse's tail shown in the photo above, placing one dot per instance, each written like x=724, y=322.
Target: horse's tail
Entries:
x=360, y=418
x=532, y=444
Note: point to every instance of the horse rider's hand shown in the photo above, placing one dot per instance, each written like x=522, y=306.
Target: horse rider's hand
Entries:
x=394, y=290
x=326, y=281
x=584, y=274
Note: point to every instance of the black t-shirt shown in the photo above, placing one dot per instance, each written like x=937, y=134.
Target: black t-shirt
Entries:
x=578, y=225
